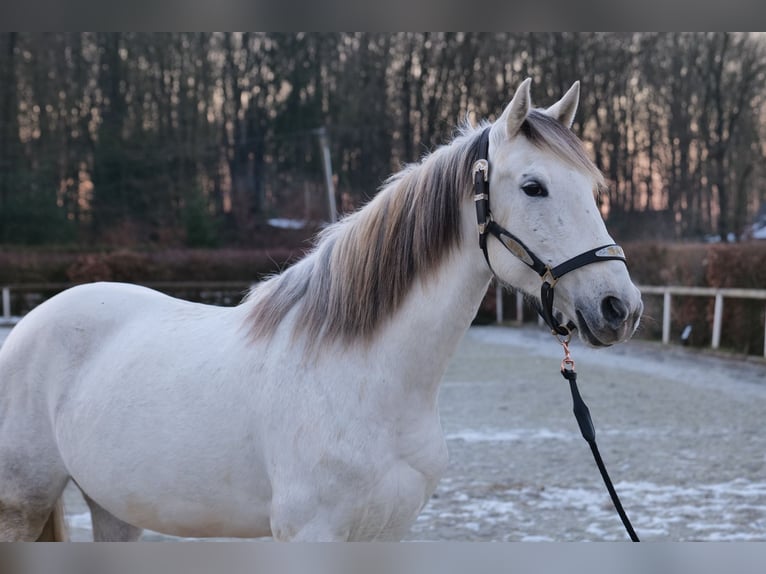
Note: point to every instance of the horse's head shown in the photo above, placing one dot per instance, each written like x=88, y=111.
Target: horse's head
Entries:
x=544, y=190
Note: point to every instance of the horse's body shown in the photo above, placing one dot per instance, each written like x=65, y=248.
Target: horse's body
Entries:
x=185, y=451
x=309, y=412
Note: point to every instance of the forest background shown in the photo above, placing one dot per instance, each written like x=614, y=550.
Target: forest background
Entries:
x=138, y=156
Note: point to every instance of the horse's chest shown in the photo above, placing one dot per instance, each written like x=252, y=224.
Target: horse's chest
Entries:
x=370, y=492
x=400, y=489
x=393, y=505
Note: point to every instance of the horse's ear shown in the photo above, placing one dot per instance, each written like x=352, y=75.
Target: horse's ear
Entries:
x=564, y=110
x=514, y=114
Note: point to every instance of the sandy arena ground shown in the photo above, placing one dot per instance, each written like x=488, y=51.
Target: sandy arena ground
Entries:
x=681, y=432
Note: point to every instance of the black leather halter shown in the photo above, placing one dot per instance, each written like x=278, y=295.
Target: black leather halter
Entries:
x=549, y=275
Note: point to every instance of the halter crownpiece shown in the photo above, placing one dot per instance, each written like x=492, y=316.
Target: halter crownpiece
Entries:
x=549, y=275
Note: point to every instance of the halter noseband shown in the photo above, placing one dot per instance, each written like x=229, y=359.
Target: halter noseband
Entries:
x=549, y=275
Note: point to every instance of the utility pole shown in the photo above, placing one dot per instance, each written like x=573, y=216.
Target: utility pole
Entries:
x=327, y=165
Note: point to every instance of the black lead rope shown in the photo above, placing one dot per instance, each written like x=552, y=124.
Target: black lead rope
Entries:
x=582, y=414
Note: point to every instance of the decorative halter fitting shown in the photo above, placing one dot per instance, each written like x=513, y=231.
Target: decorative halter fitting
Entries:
x=549, y=275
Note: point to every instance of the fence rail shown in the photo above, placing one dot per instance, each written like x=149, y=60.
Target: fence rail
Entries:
x=718, y=294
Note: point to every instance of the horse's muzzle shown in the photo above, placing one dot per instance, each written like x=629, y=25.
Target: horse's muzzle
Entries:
x=614, y=320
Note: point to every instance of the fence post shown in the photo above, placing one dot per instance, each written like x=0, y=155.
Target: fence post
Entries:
x=520, y=308
x=498, y=302
x=6, y=302
x=666, y=317
x=717, y=320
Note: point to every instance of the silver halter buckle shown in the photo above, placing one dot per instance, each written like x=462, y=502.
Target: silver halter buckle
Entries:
x=481, y=165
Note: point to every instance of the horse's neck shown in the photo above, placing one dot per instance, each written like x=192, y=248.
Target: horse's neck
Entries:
x=424, y=334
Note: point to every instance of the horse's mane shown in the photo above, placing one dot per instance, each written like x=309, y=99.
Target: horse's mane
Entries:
x=362, y=267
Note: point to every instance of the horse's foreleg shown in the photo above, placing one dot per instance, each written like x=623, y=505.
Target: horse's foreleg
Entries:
x=107, y=527
x=315, y=531
x=305, y=520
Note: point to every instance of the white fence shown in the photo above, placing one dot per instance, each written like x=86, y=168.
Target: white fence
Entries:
x=718, y=294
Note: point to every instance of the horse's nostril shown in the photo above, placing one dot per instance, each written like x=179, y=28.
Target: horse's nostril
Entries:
x=614, y=310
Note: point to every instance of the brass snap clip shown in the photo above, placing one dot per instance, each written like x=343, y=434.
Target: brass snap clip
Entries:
x=567, y=364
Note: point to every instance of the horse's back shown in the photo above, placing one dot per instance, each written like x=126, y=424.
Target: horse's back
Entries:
x=55, y=341
x=102, y=303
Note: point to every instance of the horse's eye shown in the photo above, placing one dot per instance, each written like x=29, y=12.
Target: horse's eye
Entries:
x=534, y=189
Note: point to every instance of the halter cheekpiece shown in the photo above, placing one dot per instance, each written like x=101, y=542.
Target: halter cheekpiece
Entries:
x=549, y=275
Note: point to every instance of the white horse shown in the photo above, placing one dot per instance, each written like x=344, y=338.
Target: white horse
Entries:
x=308, y=412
